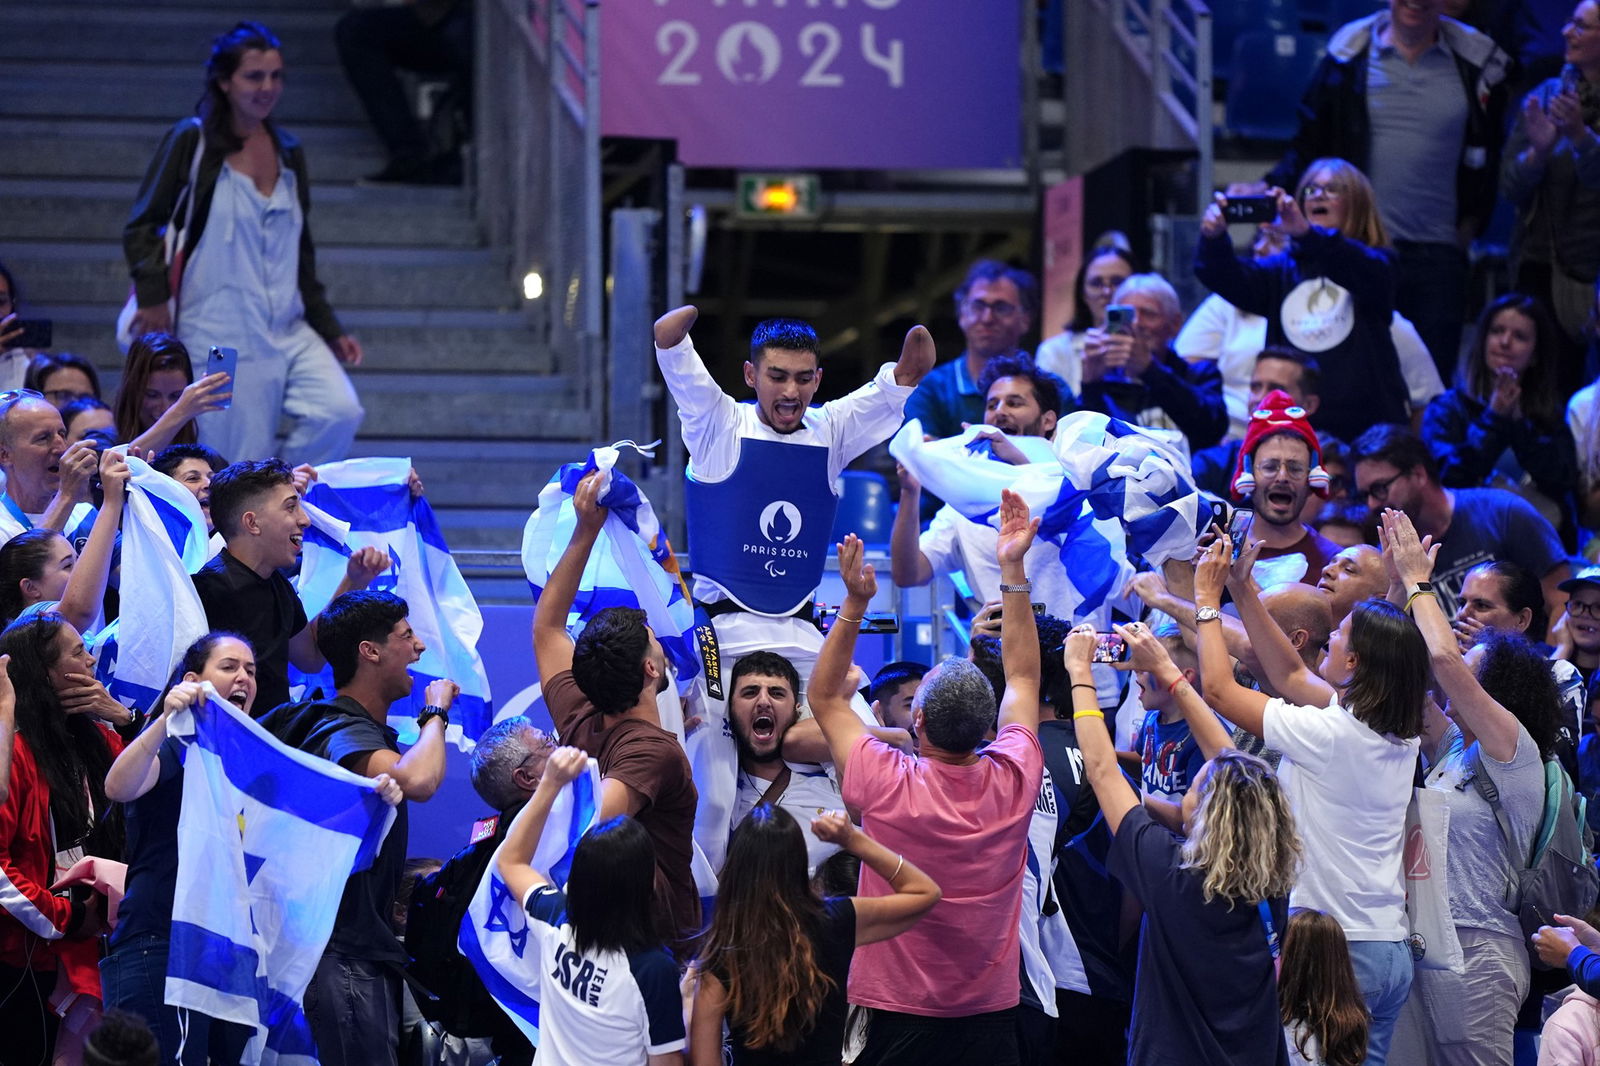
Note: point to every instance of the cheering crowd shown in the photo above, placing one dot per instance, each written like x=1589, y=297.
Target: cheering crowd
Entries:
x=1271, y=741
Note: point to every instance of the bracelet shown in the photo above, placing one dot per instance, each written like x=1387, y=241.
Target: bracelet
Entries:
x=897, y=868
x=1096, y=713
x=1413, y=597
x=1172, y=689
x=1084, y=684
x=842, y=617
x=1026, y=586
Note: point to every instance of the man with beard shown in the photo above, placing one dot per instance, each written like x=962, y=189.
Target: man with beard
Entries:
x=1279, y=467
x=1020, y=400
x=763, y=706
x=601, y=694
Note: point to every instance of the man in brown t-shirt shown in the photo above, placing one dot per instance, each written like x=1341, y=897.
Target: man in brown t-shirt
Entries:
x=601, y=694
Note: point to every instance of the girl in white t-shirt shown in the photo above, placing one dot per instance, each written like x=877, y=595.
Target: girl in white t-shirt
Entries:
x=1324, y=1017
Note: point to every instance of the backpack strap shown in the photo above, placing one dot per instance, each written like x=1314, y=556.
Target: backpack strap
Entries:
x=774, y=791
x=1491, y=794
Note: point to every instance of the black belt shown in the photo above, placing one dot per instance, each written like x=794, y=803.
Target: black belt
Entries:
x=806, y=611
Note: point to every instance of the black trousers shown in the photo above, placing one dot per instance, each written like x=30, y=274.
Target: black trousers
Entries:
x=895, y=1039
x=376, y=42
x=27, y=1024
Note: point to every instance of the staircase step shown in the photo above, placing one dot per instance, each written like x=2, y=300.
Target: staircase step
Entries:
x=95, y=272
x=417, y=340
x=108, y=148
x=317, y=92
x=470, y=473
x=34, y=209
x=152, y=33
x=407, y=407
x=482, y=528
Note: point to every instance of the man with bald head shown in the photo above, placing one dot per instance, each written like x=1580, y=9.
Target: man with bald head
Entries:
x=1303, y=613
x=47, y=483
x=1353, y=575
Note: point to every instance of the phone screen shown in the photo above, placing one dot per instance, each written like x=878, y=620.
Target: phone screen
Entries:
x=1110, y=648
x=1239, y=528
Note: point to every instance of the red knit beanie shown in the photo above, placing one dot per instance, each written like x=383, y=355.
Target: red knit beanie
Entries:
x=1278, y=413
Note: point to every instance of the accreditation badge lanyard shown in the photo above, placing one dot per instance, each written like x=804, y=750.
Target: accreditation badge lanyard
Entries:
x=1264, y=909
x=16, y=512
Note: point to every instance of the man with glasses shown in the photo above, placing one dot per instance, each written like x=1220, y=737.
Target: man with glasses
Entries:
x=1410, y=96
x=1394, y=468
x=996, y=306
x=1286, y=370
x=47, y=482
x=1279, y=467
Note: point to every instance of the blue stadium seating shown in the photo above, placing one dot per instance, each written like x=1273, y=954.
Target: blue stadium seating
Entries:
x=1270, y=73
x=866, y=508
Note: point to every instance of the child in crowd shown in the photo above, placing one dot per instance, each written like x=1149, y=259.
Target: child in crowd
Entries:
x=1169, y=756
x=1324, y=1016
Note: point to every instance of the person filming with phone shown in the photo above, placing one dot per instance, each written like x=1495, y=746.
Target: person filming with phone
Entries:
x=1131, y=372
x=1330, y=293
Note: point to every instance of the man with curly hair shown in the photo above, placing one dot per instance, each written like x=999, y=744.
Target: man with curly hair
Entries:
x=601, y=694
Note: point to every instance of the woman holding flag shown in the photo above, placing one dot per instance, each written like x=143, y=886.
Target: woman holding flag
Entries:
x=607, y=986
x=148, y=778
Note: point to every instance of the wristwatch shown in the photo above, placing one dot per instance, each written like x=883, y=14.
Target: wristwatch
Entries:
x=1206, y=614
x=428, y=714
x=1422, y=586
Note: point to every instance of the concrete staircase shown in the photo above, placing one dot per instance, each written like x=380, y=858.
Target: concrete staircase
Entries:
x=454, y=376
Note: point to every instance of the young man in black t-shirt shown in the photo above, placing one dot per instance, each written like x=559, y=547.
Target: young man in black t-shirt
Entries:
x=256, y=508
x=353, y=1003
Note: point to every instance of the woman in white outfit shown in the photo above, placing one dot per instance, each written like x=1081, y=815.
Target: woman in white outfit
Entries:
x=249, y=276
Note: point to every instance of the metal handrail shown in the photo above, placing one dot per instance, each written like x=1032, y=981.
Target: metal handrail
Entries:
x=536, y=178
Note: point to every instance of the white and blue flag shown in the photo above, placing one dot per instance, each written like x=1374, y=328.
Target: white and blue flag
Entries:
x=267, y=838
x=164, y=540
x=631, y=564
x=1111, y=491
x=372, y=497
x=494, y=933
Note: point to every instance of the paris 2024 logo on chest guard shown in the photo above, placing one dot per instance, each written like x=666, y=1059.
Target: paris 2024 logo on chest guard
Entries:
x=1317, y=315
x=780, y=524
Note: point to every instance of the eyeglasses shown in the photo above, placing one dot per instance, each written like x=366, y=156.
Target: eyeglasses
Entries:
x=11, y=396
x=1581, y=28
x=999, y=308
x=1379, y=490
x=1273, y=467
x=1331, y=192
x=1582, y=609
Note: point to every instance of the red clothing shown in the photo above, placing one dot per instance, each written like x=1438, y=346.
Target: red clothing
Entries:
x=27, y=870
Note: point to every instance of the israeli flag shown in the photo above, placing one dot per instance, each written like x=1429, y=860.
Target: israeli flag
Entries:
x=371, y=498
x=632, y=564
x=494, y=933
x=267, y=838
x=1110, y=491
x=164, y=540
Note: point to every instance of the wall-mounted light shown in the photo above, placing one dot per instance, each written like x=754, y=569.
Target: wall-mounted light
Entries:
x=532, y=285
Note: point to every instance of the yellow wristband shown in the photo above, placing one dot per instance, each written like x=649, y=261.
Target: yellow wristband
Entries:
x=1089, y=714
x=1413, y=598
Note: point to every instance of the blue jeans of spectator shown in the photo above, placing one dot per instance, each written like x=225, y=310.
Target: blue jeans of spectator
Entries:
x=1432, y=293
x=353, y=1007
x=1383, y=972
x=134, y=977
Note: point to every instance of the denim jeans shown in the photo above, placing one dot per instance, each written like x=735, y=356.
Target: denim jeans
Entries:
x=353, y=1007
x=1383, y=972
x=134, y=977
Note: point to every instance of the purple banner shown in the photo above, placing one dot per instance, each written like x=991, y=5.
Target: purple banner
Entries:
x=813, y=84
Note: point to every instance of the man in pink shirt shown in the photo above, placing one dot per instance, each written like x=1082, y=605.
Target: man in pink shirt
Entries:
x=945, y=992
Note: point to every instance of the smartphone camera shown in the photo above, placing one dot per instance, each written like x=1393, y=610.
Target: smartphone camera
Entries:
x=1251, y=209
x=1119, y=318
x=1239, y=529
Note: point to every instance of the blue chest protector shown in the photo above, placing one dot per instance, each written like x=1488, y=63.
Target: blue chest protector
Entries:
x=762, y=532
